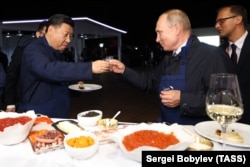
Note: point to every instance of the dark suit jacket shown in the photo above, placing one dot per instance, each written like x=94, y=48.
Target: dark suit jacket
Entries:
x=12, y=78
x=243, y=73
x=4, y=61
x=202, y=61
x=44, y=77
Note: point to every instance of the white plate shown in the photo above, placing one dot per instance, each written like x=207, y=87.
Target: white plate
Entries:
x=87, y=87
x=207, y=129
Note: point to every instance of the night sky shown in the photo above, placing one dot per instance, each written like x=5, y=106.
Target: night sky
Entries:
x=138, y=18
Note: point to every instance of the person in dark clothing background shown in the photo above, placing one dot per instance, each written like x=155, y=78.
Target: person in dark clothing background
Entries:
x=4, y=66
x=4, y=60
x=231, y=24
x=182, y=78
x=12, y=89
x=2, y=83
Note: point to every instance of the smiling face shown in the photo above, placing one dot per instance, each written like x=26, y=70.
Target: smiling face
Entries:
x=59, y=36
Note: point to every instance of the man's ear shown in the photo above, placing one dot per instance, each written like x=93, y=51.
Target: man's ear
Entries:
x=177, y=27
x=238, y=19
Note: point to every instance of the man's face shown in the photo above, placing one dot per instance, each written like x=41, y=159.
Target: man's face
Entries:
x=166, y=34
x=41, y=33
x=225, y=22
x=59, y=37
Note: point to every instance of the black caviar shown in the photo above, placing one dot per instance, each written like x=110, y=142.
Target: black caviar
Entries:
x=91, y=114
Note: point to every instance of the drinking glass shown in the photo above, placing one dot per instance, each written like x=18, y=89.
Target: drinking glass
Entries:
x=108, y=59
x=223, y=101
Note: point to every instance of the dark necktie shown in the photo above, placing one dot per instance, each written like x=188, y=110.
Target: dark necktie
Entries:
x=234, y=55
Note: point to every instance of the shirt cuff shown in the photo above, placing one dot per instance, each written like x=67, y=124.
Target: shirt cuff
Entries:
x=11, y=106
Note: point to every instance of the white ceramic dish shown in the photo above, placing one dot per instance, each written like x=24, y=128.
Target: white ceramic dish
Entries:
x=67, y=126
x=184, y=136
x=87, y=87
x=81, y=153
x=84, y=119
x=207, y=129
x=16, y=133
x=105, y=124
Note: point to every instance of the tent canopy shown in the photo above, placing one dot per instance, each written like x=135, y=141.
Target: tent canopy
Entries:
x=85, y=28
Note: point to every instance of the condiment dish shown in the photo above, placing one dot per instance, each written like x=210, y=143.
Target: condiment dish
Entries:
x=89, y=118
x=81, y=144
x=107, y=123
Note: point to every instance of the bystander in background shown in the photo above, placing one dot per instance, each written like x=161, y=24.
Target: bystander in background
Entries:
x=231, y=24
x=12, y=87
x=2, y=83
x=3, y=70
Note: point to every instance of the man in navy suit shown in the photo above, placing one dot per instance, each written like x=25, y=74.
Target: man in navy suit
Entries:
x=231, y=24
x=44, y=78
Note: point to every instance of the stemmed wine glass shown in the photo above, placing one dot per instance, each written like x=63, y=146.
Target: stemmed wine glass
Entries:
x=223, y=101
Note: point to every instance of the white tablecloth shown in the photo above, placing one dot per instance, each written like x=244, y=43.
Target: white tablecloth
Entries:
x=22, y=155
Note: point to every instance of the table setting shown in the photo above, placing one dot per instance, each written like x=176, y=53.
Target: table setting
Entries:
x=115, y=142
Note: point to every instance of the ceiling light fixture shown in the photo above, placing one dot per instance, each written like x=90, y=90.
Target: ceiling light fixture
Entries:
x=8, y=35
x=19, y=33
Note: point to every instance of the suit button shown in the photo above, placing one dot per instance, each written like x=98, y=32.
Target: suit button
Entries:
x=184, y=105
x=184, y=109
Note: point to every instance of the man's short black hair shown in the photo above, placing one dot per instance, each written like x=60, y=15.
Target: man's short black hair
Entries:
x=58, y=19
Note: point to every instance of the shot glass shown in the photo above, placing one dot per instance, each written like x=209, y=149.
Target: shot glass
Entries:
x=108, y=58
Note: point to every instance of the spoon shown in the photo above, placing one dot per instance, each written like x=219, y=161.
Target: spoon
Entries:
x=109, y=122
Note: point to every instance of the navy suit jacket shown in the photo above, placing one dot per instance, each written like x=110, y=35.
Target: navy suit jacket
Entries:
x=43, y=72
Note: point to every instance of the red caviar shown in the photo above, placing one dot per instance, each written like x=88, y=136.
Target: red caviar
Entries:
x=43, y=119
x=6, y=122
x=149, y=138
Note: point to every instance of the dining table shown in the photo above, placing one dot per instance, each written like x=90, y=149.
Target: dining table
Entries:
x=108, y=154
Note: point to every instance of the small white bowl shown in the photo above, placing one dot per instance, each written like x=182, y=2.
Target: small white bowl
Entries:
x=105, y=124
x=89, y=118
x=84, y=152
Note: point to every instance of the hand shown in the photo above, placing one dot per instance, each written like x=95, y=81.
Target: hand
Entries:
x=100, y=66
x=170, y=98
x=117, y=66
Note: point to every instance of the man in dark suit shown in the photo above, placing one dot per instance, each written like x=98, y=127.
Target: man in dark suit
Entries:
x=231, y=24
x=4, y=60
x=12, y=78
x=181, y=79
x=3, y=70
x=44, y=77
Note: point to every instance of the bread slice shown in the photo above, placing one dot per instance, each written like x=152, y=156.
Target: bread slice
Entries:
x=231, y=136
